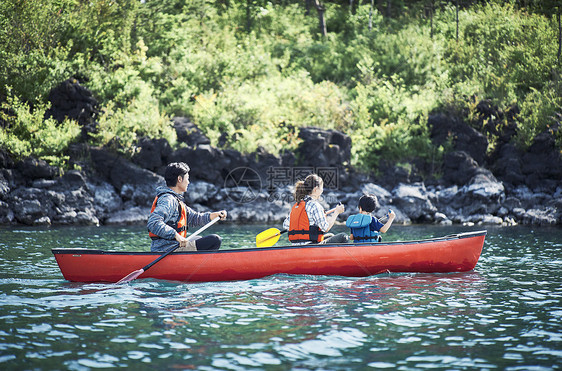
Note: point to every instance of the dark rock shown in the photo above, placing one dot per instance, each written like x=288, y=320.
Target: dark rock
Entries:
x=31, y=169
x=200, y=192
x=507, y=165
x=323, y=148
x=542, y=161
x=74, y=101
x=152, y=153
x=129, y=180
x=495, y=122
x=188, y=133
x=458, y=167
x=205, y=162
x=464, y=138
x=6, y=161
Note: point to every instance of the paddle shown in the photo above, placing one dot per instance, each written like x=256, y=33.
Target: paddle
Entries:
x=133, y=275
x=269, y=237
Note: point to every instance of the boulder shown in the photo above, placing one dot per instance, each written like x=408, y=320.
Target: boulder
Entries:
x=542, y=163
x=32, y=168
x=507, y=165
x=188, y=133
x=131, y=216
x=323, y=148
x=459, y=167
x=200, y=192
x=413, y=200
x=152, y=153
x=383, y=196
x=72, y=100
x=464, y=138
x=205, y=162
x=130, y=181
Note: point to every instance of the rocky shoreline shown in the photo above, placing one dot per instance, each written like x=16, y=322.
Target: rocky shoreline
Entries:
x=506, y=187
x=257, y=188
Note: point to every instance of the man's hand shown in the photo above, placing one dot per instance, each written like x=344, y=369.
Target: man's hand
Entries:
x=219, y=214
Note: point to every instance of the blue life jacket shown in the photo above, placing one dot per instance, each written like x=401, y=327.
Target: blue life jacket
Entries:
x=360, y=228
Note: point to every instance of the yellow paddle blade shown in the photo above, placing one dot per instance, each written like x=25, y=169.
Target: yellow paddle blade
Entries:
x=268, y=237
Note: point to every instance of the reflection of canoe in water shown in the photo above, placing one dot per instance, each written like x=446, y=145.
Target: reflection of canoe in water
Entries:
x=455, y=253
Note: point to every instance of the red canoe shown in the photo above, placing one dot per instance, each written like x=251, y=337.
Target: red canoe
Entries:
x=455, y=253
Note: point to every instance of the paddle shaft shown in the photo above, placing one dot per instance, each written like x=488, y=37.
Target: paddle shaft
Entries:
x=176, y=247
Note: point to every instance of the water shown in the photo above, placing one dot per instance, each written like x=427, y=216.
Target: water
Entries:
x=506, y=314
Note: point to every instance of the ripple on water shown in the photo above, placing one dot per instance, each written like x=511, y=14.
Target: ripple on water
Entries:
x=506, y=314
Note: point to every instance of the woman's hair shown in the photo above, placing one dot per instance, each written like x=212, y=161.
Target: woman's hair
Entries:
x=368, y=203
x=174, y=170
x=304, y=187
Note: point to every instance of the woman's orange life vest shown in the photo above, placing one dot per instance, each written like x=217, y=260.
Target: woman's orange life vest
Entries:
x=181, y=226
x=300, y=229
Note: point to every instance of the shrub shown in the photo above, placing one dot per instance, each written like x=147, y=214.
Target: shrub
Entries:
x=28, y=133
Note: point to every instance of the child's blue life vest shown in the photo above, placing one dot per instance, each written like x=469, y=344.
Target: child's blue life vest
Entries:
x=359, y=225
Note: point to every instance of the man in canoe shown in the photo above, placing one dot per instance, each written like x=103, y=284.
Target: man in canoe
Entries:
x=308, y=222
x=170, y=217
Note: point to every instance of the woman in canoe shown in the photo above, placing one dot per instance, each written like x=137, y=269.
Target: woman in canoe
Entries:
x=308, y=222
x=170, y=217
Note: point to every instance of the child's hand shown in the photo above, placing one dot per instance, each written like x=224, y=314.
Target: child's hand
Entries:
x=391, y=214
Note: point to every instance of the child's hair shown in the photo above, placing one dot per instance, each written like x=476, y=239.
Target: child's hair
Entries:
x=174, y=170
x=304, y=187
x=368, y=203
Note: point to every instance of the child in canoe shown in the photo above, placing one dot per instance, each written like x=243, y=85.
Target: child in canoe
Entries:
x=367, y=228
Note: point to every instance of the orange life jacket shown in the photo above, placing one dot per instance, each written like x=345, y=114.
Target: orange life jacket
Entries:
x=300, y=229
x=181, y=225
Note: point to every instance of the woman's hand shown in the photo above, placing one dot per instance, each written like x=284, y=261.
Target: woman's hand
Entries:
x=336, y=210
x=219, y=214
x=340, y=208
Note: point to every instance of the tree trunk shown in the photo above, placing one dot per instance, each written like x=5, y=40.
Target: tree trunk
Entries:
x=371, y=16
x=388, y=8
x=248, y=16
x=457, y=1
x=320, y=8
x=307, y=6
x=431, y=17
x=559, y=38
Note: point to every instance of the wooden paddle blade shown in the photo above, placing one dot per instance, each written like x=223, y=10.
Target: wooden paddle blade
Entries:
x=268, y=237
x=131, y=276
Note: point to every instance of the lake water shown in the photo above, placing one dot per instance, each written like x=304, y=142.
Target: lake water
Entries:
x=506, y=314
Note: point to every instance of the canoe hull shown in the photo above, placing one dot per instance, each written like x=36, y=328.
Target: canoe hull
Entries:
x=456, y=253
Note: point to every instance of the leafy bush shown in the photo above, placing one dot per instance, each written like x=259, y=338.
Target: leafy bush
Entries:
x=539, y=113
x=250, y=73
x=261, y=113
x=121, y=128
x=28, y=133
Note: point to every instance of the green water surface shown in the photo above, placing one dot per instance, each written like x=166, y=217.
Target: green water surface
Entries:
x=506, y=314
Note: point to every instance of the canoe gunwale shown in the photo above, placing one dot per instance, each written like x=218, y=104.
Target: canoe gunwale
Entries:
x=57, y=251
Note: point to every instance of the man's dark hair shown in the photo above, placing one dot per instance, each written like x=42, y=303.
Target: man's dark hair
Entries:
x=368, y=203
x=174, y=170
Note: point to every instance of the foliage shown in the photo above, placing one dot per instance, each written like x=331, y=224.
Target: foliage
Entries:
x=539, y=113
x=121, y=128
x=28, y=133
x=251, y=73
